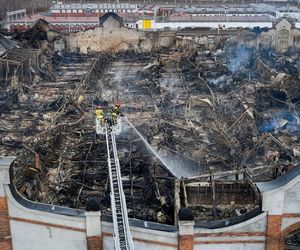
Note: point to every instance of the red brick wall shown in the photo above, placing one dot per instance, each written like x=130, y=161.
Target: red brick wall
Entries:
x=5, y=244
x=5, y=235
x=186, y=242
x=95, y=243
x=274, y=232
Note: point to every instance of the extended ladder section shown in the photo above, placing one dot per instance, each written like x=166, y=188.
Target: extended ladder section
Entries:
x=122, y=236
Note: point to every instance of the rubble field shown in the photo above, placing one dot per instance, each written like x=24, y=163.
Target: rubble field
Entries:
x=211, y=116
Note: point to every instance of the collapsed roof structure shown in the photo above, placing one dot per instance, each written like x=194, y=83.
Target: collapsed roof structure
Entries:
x=219, y=118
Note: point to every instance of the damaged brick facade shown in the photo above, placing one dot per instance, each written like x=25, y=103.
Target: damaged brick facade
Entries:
x=273, y=232
x=5, y=235
x=265, y=231
x=94, y=243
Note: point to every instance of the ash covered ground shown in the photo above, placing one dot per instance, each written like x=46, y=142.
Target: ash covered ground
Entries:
x=202, y=111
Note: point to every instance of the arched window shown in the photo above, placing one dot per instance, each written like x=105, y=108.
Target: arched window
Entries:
x=283, y=39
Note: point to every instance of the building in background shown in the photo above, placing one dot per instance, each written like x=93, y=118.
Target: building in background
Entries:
x=78, y=17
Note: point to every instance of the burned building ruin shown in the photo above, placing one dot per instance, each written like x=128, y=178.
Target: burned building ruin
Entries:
x=219, y=116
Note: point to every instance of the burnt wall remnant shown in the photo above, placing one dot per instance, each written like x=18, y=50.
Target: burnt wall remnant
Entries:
x=221, y=115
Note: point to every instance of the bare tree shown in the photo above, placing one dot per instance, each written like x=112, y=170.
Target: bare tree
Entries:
x=30, y=5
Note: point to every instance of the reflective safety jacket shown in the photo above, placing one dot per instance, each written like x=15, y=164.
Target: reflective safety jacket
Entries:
x=99, y=113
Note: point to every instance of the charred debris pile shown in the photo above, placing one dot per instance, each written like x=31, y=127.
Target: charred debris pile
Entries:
x=220, y=119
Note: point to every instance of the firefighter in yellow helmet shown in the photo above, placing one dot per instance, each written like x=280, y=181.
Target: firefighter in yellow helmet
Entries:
x=100, y=115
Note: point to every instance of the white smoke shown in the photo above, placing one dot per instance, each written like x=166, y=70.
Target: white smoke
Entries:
x=240, y=58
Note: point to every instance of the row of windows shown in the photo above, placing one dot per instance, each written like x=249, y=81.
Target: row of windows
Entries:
x=94, y=11
x=230, y=15
x=95, y=6
x=75, y=24
x=15, y=16
x=62, y=24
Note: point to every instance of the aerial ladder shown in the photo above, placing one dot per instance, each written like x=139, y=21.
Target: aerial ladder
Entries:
x=122, y=236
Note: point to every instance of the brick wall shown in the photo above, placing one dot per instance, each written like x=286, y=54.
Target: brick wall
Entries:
x=185, y=242
x=5, y=235
x=274, y=232
x=95, y=243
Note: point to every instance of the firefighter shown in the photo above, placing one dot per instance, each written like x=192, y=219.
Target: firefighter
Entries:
x=117, y=109
x=100, y=115
x=115, y=114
